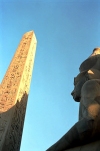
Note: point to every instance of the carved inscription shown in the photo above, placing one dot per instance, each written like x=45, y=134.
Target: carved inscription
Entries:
x=14, y=91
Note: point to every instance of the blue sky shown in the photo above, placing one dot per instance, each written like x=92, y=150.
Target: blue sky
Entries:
x=66, y=32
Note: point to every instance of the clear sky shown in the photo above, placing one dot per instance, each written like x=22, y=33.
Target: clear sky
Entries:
x=66, y=32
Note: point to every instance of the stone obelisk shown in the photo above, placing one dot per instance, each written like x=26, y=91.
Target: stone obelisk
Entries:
x=14, y=91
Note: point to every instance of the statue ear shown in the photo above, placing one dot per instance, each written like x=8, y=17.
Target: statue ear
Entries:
x=93, y=74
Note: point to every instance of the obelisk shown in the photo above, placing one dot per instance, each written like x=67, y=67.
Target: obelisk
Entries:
x=14, y=91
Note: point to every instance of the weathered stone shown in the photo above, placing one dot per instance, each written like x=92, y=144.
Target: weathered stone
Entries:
x=87, y=92
x=14, y=91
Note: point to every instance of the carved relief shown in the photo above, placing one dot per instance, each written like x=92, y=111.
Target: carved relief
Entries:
x=14, y=93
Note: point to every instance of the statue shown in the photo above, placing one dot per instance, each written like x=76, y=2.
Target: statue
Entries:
x=87, y=92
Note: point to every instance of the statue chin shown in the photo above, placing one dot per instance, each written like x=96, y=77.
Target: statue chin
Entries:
x=76, y=98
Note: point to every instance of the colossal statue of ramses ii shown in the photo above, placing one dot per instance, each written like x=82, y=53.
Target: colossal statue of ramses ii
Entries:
x=87, y=92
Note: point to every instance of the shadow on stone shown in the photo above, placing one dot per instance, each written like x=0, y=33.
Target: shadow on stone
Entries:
x=11, y=125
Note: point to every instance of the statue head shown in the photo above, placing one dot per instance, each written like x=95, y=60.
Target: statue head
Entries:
x=80, y=79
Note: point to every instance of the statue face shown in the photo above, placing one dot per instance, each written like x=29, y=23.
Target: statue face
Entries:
x=78, y=83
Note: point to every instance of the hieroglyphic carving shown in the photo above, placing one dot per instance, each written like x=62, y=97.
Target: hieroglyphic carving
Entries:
x=14, y=91
x=15, y=132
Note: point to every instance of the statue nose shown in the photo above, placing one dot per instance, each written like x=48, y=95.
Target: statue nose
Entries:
x=72, y=92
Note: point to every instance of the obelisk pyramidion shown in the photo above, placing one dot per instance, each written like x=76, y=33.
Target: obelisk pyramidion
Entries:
x=14, y=91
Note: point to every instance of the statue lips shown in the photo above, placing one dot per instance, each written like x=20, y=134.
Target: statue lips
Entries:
x=75, y=97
